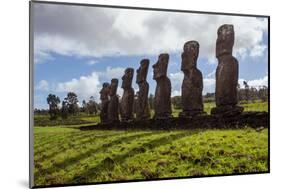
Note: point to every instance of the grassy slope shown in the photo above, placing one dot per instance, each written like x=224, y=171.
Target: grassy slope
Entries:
x=64, y=155
x=67, y=156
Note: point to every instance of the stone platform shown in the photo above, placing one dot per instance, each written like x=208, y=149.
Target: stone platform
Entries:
x=246, y=119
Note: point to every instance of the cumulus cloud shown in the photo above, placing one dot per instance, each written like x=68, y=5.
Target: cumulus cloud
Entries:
x=176, y=81
x=98, y=32
x=116, y=72
x=209, y=85
x=255, y=82
x=92, y=62
x=43, y=85
x=84, y=87
x=41, y=57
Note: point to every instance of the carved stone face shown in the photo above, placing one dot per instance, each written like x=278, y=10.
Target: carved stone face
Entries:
x=142, y=70
x=127, y=78
x=160, y=67
x=225, y=40
x=113, y=87
x=104, y=91
x=189, y=55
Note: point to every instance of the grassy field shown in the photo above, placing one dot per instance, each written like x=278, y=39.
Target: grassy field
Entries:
x=64, y=155
x=85, y=119
x=70, y=156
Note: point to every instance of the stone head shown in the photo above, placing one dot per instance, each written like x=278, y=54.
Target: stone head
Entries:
x=113, y=87
x=142, y=70
x=105, y=90
x=161, y=66
x=225, y=40
x=189, y=55
x=127, y=78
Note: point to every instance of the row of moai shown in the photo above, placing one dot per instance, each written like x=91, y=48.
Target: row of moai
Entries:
x=192, y=85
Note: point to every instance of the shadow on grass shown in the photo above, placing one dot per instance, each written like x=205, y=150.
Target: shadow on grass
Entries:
x=70, y=146
x=75, y=136
x=70, y=161
x=52, y=139
x=108, y=163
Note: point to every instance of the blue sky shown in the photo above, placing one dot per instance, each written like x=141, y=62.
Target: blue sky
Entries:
x=78, y=48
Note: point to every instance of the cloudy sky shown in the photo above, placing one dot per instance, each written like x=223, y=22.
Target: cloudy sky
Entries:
x=78, y=48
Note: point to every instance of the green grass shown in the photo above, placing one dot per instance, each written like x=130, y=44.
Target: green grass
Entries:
x=256, y=106
x=64, y=155
x=68, y=156
x=84, y=119
x=251, y=106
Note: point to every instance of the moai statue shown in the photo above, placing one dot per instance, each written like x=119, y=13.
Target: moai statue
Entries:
x=104, y=103
x=226, y=74
x=143, y=112
x=192, y=85
x=113, y=102
x=127, y=101
x=162, y=101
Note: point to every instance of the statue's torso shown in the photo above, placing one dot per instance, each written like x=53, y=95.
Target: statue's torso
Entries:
x=192, y=87
x=127, y=103
x=226, y=81
x=113, y=108
x=162, y=104
x=143, y=111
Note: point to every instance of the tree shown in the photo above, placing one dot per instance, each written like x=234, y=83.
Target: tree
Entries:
x=64, y=110
x=72, y=103
x=53, y=102
x=263, y=93
x=247, y=91
x=91, y=106
x=176, y=101
x=84, y=106
x=253, y=94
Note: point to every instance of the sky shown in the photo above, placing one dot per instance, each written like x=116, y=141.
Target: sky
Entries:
x=77, y=48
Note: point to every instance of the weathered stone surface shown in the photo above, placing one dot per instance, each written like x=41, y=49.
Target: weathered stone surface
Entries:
x=104, y=97
x=142, y=107
x=113, y=102
x=162, y=101
x=192, y=85
x=127, y=101
x=226, y=73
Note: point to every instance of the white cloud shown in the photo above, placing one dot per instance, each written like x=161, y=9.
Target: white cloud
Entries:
x=255, y=82
x=116, y=72
x=84, y=87
x=43, y=85
x=176, y=81
x=212, y=74
x=42, y=56
x=176, y=93
x=258, y=51
x=97, y=32
x=209, y=85
x=92, y=62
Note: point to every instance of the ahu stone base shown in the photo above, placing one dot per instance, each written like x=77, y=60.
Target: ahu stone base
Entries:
x=204, y=121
